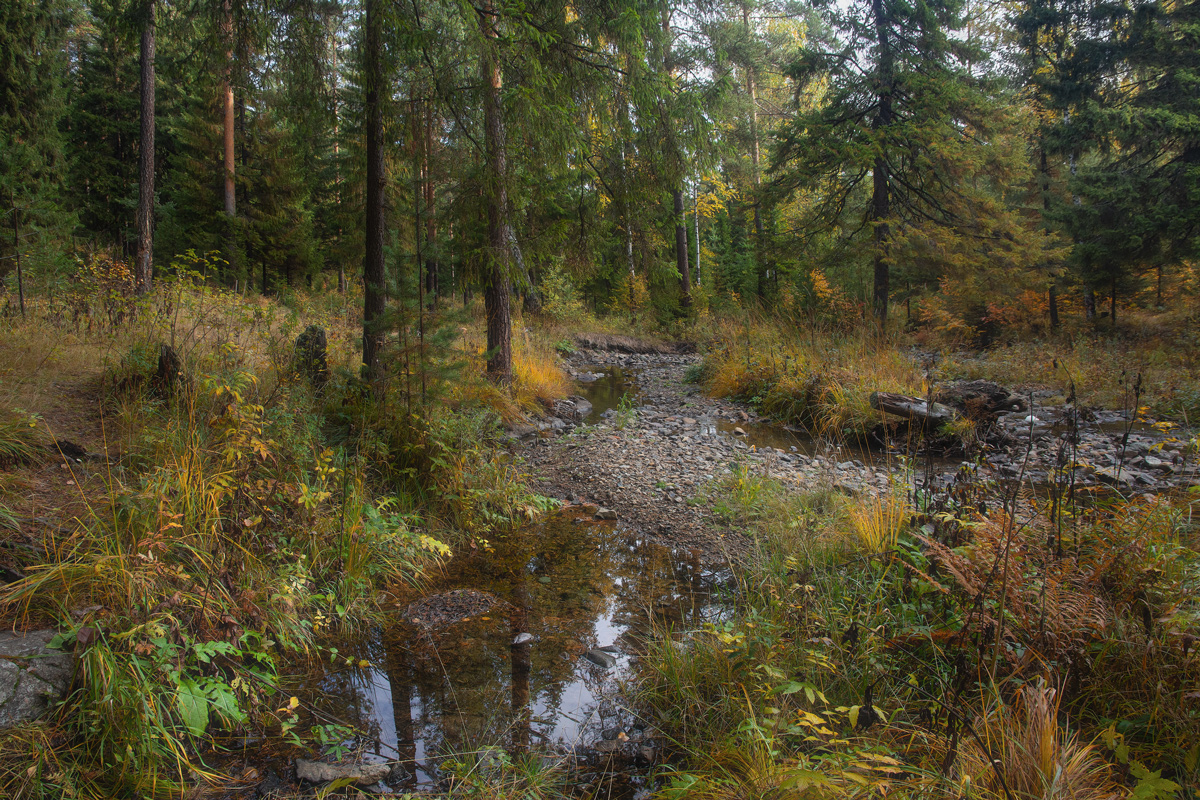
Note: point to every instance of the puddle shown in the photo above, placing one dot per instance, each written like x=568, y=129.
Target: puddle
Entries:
x=520, y=677
x=607, y=391
x=791, y=440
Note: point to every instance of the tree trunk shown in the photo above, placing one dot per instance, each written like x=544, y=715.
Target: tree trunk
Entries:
x=881, y=183
x=373, y=279
x=431, y=264
x=337, y=162
x=227, y=105
x=144, y=268
x=681, y=251
x=626, y=215
x=696, y=220
x=1089, y=303
x=17, y=256
x=675, y=160
x=497, y=297
x=1044, y=178
x=752, y=90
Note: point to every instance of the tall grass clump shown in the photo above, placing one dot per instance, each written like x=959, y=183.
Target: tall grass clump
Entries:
x=21, y=440
x=820, y=380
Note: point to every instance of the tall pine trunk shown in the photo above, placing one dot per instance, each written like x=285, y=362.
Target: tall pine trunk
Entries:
x=431, y=264
x=675, y=159
x=228, y=152
x=881, y=198
x=497, y=299
x=145, y=209
x=760, y=270
x=373, y=283
x=681, y=250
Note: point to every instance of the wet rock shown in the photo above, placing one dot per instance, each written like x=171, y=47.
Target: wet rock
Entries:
x=448, y=608
x=1153, y=462
x=1115, y=476
x=583, y=406
x=606, y=514
x=601, y=659
x=523, y=638
x=33, y=676
x=520, y=430
x=320, y=772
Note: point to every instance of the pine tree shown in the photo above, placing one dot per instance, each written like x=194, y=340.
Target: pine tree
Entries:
x=144, y=267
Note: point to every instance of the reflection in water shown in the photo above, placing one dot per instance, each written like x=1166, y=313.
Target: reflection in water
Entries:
x=474, y=686
x=606, y=392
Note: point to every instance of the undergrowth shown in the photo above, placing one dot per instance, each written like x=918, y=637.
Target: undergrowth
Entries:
x=246, y=513
x=938, y=645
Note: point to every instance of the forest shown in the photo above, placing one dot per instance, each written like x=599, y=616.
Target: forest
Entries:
x=545, y=398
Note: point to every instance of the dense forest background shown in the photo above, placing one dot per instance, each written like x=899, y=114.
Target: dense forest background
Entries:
x=970, y=166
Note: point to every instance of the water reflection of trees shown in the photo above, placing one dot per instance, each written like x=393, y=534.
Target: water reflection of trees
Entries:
x=469, y=688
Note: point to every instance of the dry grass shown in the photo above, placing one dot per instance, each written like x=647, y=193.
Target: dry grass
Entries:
x=877, y=521
x=538, y=380
x=1038, y=758
x=821, y=380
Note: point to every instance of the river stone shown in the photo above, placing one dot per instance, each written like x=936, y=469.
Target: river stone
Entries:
x=601, y=658
x=606, y=514
x=32, y=675
x=583, y=406
x=1113, y=476
x=320, y=772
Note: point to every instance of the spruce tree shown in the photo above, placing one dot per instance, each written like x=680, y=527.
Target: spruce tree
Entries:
x=33, y=70
x=901, y=130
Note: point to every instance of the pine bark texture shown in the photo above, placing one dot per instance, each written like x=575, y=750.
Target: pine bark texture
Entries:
x=497, y=296
x=881, y=184
x=227, y=108
x=145, y=212
x=681, y=250
x=373, y=277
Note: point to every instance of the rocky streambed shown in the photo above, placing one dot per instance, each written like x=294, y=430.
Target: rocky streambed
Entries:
x=647, y=458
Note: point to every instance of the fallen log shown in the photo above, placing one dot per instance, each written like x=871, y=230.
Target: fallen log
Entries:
x=913, y=408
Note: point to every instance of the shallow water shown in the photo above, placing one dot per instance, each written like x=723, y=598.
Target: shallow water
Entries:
x=569, y=586
x=607, y=392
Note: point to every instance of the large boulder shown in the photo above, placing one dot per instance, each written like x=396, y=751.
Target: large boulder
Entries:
x=33, y=675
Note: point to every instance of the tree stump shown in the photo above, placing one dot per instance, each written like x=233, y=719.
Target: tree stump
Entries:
x=312, y=356
x=170, y=371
